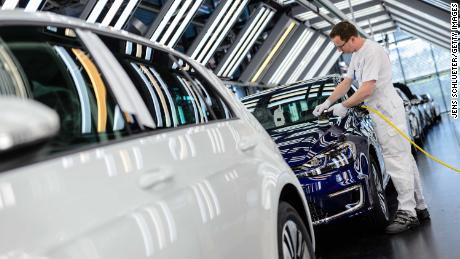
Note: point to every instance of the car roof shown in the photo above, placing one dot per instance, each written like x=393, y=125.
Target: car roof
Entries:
x=20, y=17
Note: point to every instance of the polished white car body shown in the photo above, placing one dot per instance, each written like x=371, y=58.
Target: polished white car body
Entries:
x=199, y=191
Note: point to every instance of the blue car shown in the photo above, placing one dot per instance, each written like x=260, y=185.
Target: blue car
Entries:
x=337, y=161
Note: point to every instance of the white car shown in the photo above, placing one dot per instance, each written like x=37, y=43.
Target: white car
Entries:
x=112, y=146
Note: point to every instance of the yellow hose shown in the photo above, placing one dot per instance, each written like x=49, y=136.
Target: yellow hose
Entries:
x=412, y=142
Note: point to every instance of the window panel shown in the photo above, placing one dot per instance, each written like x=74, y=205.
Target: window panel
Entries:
x=58, y=72
x=173, y=91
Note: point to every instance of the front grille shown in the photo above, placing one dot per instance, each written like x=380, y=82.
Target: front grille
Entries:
x=339, y=204
x=316, y=212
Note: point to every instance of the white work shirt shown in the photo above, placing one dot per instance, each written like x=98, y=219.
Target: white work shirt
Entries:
x=371, y=62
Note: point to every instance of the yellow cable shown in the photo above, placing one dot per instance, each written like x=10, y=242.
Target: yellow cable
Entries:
x=412, y=142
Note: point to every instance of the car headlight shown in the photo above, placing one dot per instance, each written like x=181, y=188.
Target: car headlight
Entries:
x=334, y=158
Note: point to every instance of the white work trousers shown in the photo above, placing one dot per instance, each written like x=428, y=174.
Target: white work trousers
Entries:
x=399, y=161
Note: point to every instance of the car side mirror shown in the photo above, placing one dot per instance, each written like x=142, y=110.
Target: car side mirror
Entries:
x=25, y=122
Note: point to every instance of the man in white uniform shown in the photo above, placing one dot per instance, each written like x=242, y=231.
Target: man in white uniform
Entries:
x=370, y=66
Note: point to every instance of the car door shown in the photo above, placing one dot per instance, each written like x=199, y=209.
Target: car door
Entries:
x=207, y=143
x=94, y=191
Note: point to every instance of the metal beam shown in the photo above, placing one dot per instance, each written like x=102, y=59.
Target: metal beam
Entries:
x=315, y=9
x=421, y=9
x=338, y=13
x=87, y=10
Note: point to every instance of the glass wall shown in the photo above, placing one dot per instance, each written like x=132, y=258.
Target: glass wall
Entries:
x=424, y=67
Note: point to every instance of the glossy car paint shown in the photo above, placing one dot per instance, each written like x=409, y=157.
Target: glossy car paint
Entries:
x=300, y=143
x=412, y=116
x=205, y=191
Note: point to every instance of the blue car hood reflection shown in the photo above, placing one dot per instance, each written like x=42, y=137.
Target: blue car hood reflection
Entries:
x=299, y=143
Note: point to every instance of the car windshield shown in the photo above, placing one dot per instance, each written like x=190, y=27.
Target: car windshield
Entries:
x=290, y=105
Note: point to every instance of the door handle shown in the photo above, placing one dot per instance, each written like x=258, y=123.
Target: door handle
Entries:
x=153, y=178
x=247, y=144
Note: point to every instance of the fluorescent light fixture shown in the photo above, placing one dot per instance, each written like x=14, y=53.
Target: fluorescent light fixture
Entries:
x=175, y=21
x=345, y=4
x=96, y=11
x=419, y=22
x=423, y=35
x=250, y=41
x=81, y=88
x=320, y=61
x=211, y=29
x=340, y=5
x=368, y=11
x=165, y=21
x=306, y=16
x=381, y=27
x=226, y=28
x=250, y=34
x=324, y=24
x=373, y=20
x=307, y=59
x=298, y=46
x=111, y=13
x=272, y=53
x=222, y=23
x=33, y=5
x=10, y=4
x=411, y=10
x=184, y=23
x=431, y=33
x=125, y=14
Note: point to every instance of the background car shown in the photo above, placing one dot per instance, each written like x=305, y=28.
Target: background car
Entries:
x=435, y=109
x=428, y=110
x=413, y=120
x=141, y=153
x=338, y=162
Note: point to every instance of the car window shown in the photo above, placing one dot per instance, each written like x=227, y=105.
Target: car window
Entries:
x=174, y=92
x=290, y=105
x=50, y=65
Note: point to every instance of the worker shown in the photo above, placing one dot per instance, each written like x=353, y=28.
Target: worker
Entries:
x=370, y=66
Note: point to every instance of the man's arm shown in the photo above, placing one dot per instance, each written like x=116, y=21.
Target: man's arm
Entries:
x=364, y=91
x=341, y=89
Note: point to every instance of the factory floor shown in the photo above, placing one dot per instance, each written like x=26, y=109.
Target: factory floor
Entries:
x=435, y=239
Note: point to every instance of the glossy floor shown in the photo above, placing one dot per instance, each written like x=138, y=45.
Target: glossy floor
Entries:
x=438, y=239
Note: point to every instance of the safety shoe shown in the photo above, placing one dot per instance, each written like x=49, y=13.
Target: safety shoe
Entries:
x=402, y=222
x=423, y=215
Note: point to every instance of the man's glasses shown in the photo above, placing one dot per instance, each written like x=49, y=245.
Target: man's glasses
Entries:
x=341, y=46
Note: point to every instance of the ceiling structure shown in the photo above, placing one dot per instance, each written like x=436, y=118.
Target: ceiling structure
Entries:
x=256, y=42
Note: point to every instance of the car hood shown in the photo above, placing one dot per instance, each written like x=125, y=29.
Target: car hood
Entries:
x=299, y=143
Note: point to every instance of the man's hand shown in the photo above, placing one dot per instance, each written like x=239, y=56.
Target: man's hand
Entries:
x=338, y=110
x=320, y=108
